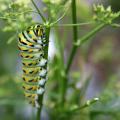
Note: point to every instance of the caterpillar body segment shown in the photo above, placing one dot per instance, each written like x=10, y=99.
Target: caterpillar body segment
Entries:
x=34, y=80
x=31, y=71
x=33, y=89
x=42, y=82
x=29, y=50
x=43, y=73
x=38, y=71
x=30, y=88
x=34, y=103
x=30, y=80
x=31, y=96
x=36, y=62
x=29, y=45
x=34, y=39
x=26, y=55
x=40, y=91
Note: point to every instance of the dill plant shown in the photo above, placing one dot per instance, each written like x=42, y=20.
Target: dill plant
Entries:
x=60, y=107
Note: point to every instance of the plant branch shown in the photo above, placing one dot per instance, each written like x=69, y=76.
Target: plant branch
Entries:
x=43, y=18
x=75, y=109
x=88, y=103
x=74, y=20
x=79, y=42
x=53, y=24
x=75, y=37
x=115, y=25
x=28, y=11
x=71, y=25
x=4, y=18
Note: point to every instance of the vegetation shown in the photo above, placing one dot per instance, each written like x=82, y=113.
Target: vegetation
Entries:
x=68, y=84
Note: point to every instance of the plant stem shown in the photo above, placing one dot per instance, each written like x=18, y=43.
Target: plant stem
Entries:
x=88, y=103
x=71, y=25
x=7, y=18
x=52, y=24
x=74, y=20
x=75, y=37
x=80, y=42
x=115, y=25
x=39, y=12
x=39, y=113
x=40, y=98
x=76, y=109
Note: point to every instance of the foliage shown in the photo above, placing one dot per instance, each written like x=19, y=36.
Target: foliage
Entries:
x=63, y=99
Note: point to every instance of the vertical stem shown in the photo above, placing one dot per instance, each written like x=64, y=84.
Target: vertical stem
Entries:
x=39, y=113
x=71, y=57
x=74, y=20
x=75, y=32
x=40, y=98
x=75, y=37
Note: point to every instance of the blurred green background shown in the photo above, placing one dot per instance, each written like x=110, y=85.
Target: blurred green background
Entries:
x=95, y=71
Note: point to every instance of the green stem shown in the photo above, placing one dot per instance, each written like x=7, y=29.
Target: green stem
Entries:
x=115, y=25
x=88, y=103
x=52, y=24
x=71, y=25
x=39, y=113
x=76, y=109
x=75, y=37
x=28, y=11
x=80, y=42
x=55, y=22
x=7, y=18
x=40, y=98
x=74, y=20
x=43, y=18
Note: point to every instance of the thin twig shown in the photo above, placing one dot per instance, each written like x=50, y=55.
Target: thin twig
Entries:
x=76, y=109
x=4, y=18
x=71, y=25
x=88, y=103
x=43, y=18
x=52, y=24
x=115, y=25
x=27, y=12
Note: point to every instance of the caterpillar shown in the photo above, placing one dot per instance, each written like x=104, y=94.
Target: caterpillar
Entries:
x=31, y=43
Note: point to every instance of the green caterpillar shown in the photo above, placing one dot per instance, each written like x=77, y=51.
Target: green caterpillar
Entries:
x=31, y=44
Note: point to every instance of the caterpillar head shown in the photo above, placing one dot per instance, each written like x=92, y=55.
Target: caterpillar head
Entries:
x=39, y=30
